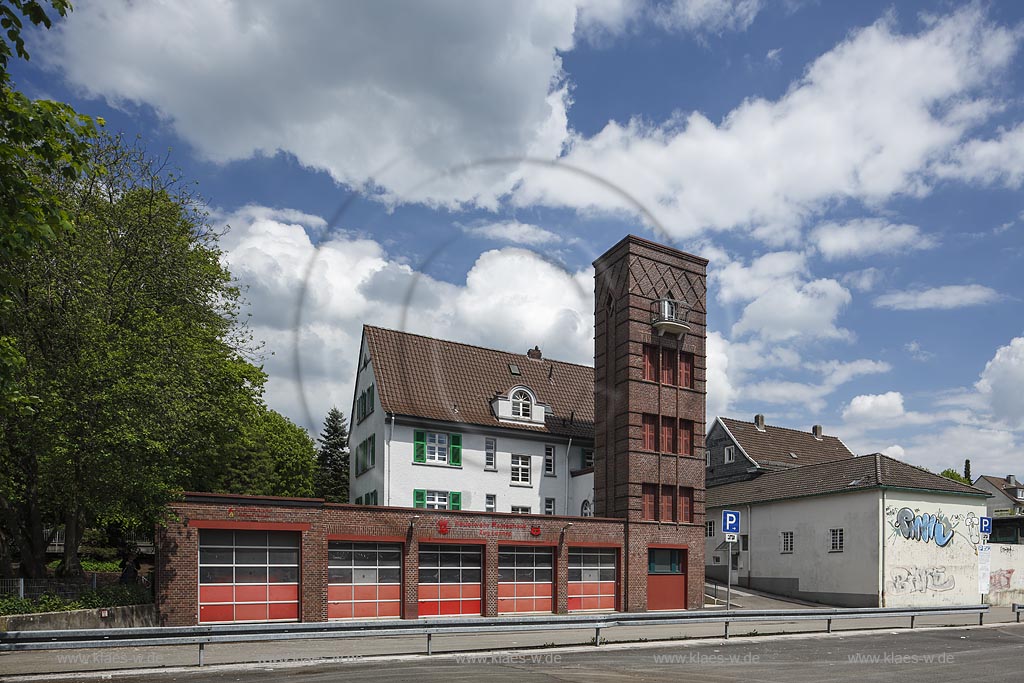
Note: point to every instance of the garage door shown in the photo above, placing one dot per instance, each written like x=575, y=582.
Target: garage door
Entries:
x=450, y=578
x=248, y=575
x=591, y=579
x=525, y=579
x=364, y=580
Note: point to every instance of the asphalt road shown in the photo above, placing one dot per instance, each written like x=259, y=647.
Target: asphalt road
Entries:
x=922, y=656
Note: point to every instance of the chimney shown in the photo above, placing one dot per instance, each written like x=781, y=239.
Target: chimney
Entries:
x=816, y=430
x=1011, y=480
x=759, y=422
x=534, y=353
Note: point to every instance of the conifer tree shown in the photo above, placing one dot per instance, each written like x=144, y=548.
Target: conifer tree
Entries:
x=332, y=459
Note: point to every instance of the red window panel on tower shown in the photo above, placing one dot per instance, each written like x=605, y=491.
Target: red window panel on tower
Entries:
x=685, y=437
x=650, y=432
x=668, y=435
x=668, y=366
x=667, y=502
x=685, y=504
x=525, y=579
x=686, y=370
x=650, y=363
x=592, y=581
x=450, y=580
x=650, y=495
x=364, y=580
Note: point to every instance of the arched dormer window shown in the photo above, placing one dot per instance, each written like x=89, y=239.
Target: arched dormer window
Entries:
x=522, y=404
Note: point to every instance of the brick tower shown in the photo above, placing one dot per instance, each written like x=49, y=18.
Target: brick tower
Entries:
x=649, y=409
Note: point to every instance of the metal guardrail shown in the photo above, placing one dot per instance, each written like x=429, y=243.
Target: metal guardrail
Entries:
x=235, y=633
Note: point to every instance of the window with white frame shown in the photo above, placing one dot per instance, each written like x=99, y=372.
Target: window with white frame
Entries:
x=837, y=540
x=549, y=460
x=522, y=404
x=707, y=457
x=490, y=454
x=786, y=542
x=730, y=454
x=437, y=447
x=490, y=502
x=716, y=559
x=549, y=506
x=437, y=500
x=520, y=469
x=520, y=509
x=588, y=457
x=709, y=528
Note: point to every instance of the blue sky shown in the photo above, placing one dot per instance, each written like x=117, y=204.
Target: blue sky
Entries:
x=852, y=170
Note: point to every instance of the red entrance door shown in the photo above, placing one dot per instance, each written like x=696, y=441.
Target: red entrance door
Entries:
x=666, y=579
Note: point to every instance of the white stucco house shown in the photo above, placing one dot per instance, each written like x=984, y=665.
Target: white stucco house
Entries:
x=443, y=425
x=858, y=532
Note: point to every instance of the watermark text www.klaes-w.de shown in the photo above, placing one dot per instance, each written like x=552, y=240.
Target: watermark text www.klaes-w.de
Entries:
x=705, y=659
x=109, y=658
x=899, y=658
x=500, y=658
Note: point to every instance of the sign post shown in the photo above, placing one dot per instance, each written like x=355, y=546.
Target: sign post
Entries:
x=731, y=529
x=984, y=557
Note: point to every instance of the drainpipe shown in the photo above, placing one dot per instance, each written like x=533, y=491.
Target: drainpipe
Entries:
x=568, y=468
x=881, y=534
x=750, y=529
x=387, y=460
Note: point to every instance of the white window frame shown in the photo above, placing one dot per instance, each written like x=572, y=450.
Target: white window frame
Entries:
x=437, y=447
x=490, y=502
x=787, y=542
x=707, y=457
x=837, y=540
x=521, y=470
x=587, y=457
x=549, y=461
x=521, y=510
x=730, y=454
x=709, y=528
x=437, y=500
x=491, y=454
x=522, y=404
x=549, y=506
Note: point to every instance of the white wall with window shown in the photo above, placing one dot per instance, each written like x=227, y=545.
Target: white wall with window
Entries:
x=367, y=428
x=477, y=462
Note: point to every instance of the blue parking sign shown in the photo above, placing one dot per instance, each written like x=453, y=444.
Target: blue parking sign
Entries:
x=730, y=522
x=986, y=525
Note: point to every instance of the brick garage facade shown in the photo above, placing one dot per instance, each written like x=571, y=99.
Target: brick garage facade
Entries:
x=177, y=594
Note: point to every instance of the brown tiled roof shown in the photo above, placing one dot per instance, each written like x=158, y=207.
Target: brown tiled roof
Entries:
x=444, y=380
x=1000, y=485
x=774, y=448
x=850, y=474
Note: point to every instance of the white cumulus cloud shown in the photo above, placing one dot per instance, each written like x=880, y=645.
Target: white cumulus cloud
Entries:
x=874, y=406
x=867, y=237
x=946, y=297
x=1002, y=383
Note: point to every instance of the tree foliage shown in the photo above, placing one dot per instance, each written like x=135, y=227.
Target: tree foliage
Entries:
x=38, y=139
x=144, y=373
x=967, y=470
x=332, y=475
x=950, y=473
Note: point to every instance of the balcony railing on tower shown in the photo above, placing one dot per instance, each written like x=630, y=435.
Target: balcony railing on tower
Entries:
x=669, y=316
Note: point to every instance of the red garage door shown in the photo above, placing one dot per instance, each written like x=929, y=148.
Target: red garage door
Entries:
x=248, y=575
x=364, y=580
x=450, y=578
x=592, y=579
x=525, y=579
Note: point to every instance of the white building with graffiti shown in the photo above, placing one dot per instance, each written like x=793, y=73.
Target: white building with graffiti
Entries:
x=863, y=532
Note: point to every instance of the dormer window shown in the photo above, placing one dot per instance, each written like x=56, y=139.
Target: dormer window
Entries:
x=522, y=405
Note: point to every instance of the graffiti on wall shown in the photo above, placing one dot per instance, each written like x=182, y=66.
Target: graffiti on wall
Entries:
x=1000, y=580
x=924, y=527
x=921, y=580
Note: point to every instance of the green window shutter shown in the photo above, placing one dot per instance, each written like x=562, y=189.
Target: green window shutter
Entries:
x=369, y=399
x=455, y=500
x=359, y=500
x=372, y=458
x=455, y=450
x=419, y=446
x=419, y=498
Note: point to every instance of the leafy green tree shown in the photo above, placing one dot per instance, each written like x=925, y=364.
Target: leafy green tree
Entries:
x=332, y=475
x=272, y=457
x=950, y=473
x=38, y=138
x=967, y=470
x=144, y=374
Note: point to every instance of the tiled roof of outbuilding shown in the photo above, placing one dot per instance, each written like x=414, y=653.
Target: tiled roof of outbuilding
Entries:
x=779, y=448
x=444, y=380
x=1000, y=485
x=851, y=474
